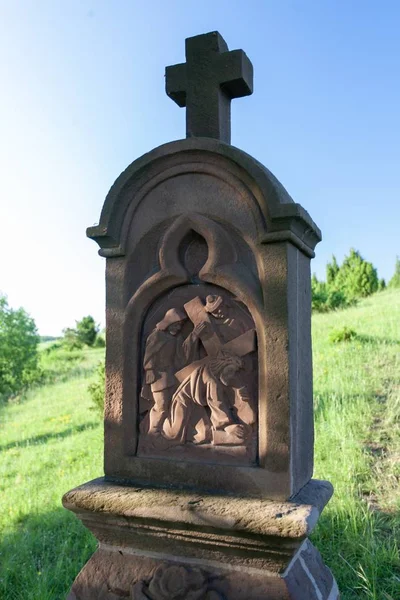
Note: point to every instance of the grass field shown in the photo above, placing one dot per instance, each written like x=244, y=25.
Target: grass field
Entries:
x=357, y=417
x=52, y=441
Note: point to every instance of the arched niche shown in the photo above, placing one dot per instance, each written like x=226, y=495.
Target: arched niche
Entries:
x=197, y=258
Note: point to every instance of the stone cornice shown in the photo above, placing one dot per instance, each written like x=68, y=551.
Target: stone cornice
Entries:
x=292, y=519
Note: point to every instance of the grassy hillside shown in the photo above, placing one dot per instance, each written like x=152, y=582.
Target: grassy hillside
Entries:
x=52, y=441
x=357, y=417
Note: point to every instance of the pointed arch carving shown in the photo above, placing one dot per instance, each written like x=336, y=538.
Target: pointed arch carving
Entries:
x=223, y=266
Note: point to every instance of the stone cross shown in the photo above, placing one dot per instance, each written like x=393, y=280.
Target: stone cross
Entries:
x=206, y=84
x=208, y=416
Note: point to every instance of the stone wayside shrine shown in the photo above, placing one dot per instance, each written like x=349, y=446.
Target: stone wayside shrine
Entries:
x=207, y=493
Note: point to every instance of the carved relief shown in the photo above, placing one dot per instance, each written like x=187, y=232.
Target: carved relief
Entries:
x=165, y=353
x=175, y=582
x=199, y=377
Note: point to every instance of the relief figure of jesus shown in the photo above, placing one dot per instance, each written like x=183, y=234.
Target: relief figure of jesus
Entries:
x=209, y=386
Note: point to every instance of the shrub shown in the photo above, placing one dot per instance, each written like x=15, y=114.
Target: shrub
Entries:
x=346, y=334
x=97, y=389
x=395, y=281
x=85, y=334
x=52, y=348
x=87, y=330
x=100, y=342
x=325, y=297
x=71, y=340
x=356, y=277
x=18, y=350
x=332, y=269
x=381, y=285
x=319, y=294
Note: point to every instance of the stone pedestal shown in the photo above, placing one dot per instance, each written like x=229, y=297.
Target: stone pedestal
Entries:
x=163, y=544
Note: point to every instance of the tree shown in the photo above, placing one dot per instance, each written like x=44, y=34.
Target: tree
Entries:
x=18, y=349
x=71, y=340
x=332, y=269
x=356, y=277
x=97, y=389
x=87, y=330
x=395, y=281
x=319, y=294
x=326, y=297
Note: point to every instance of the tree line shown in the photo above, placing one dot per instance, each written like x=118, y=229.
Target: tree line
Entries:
x=345, y=284
x=20, y=365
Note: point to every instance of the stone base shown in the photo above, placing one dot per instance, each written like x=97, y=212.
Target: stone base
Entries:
x=175, y=545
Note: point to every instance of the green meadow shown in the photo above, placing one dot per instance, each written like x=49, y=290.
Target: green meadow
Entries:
x=51, y=441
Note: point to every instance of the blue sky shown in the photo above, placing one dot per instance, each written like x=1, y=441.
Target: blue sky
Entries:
x=83, y=96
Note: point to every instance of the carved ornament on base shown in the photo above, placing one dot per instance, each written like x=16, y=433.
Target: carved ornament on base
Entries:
x=175, y=582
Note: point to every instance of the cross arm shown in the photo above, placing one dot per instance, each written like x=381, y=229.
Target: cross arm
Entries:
x=235, y=73
x=176, y=83
x=197, y=314
x=240, y=346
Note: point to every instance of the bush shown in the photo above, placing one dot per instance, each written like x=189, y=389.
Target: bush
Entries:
x=346, y=334
x=395, y=281
x=381, y=285
x=100, y=342
x=56, y=346
x=84, y=334
x=326, y=298
x=97, y=389
x=71, y=340
x=332, y=269
x=87, y=330
x=18, y=350
x=355, y=278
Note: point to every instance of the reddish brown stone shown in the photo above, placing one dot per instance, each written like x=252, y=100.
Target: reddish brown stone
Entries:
x=209, y=406
x=254, y=244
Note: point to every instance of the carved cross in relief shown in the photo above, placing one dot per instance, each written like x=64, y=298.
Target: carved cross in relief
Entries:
x=240, y=346
x=206, y=84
